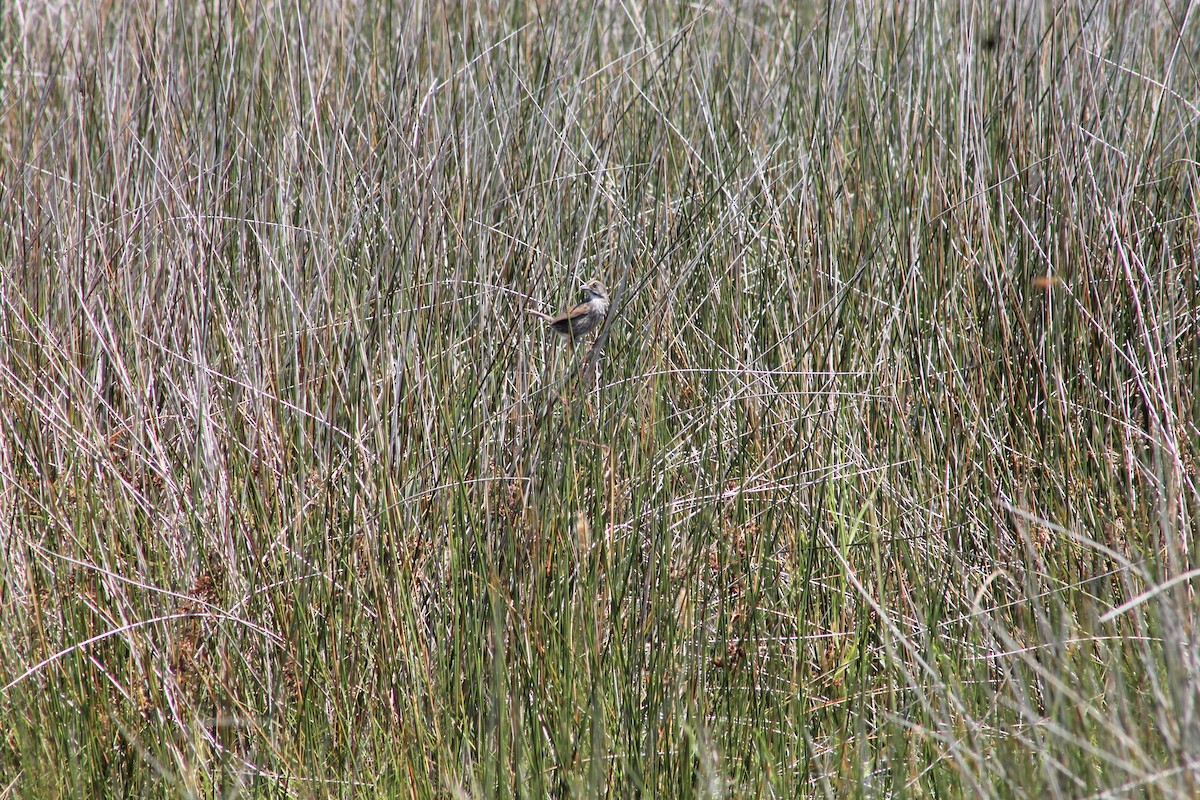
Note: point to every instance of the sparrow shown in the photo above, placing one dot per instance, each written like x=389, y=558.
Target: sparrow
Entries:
x=582, y=319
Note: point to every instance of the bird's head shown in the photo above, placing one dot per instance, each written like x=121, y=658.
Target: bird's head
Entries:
x=595, y=288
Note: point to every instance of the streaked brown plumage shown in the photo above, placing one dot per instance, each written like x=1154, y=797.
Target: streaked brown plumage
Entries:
x=582, y=319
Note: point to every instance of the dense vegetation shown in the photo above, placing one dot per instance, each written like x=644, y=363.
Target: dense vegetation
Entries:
x=879, y=480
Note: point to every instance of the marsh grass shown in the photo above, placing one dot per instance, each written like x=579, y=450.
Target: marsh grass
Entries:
x=879, y=481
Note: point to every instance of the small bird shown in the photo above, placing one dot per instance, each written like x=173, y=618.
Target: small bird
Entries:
x=582, y=319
